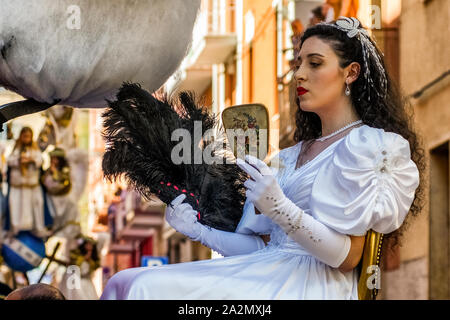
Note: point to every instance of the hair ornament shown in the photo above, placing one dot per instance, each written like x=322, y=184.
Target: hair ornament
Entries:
x=351, y=27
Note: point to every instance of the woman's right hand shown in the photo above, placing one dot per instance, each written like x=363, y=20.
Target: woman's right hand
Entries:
x=183, y=218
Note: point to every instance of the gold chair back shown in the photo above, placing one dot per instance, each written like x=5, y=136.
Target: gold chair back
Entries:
x=371, y=257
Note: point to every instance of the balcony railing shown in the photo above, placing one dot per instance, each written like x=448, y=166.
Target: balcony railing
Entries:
x=213, y=41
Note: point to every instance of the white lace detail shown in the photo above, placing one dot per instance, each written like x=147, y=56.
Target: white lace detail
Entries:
x=278, y=237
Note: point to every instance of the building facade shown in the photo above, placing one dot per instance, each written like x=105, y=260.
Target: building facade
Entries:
x=424, y=72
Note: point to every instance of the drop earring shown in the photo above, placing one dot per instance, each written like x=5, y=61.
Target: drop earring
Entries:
x=347, y=90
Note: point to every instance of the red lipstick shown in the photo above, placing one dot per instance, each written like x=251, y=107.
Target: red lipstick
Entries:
x=301, y=91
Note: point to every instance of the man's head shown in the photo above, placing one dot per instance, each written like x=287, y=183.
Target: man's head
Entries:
x=38, y=291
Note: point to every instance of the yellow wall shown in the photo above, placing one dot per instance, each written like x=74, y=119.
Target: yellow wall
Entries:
x=424, y=55
x=264, y=52
x=260, y=79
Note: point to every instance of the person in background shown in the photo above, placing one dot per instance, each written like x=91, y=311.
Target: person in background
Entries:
x=25, y=204
x=328, y=12
x=316, y=16
x=86, y=257
x=57, y=183
x=39, y=291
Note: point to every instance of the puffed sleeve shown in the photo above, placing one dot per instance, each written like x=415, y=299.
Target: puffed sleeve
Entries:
x=369, y=183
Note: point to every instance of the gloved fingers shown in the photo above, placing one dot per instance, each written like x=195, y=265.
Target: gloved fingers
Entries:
x=250, y=184
x=250, y=170
x=170, y=209
x=181, y=209
x=188, y=211
x=188, y=215
x=175, y=202
x=193, y=215
x=258, y=164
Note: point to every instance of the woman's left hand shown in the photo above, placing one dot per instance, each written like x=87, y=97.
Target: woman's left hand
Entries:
x=263, y=189
x=183, y=218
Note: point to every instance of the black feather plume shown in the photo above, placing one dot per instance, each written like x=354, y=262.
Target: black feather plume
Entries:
x=138, y=128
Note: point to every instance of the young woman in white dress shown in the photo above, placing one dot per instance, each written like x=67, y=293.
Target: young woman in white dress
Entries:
x=355, y=167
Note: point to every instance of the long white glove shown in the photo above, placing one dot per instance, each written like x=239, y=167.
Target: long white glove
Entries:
x=183, y=218
x=264, y=191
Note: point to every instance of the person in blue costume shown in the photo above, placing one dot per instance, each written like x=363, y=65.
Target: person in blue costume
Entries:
x=355, y=167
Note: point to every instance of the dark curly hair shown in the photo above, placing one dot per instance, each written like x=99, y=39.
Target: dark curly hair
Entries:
x=391, y=113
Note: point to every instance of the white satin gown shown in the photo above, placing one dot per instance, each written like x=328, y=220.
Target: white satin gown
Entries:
x=365, y=180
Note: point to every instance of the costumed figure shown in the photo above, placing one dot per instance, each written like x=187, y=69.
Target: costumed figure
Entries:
x=64, y=181
x=355, y=168
x=57, y=180
x=27, y=208
x=59, y=134
x=87, y=259
x=59, y=128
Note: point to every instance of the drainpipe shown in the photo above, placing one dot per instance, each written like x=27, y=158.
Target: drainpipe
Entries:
x=239, y=30
x=274, y=136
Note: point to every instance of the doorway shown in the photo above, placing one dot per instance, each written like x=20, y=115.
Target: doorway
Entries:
x=439, y=266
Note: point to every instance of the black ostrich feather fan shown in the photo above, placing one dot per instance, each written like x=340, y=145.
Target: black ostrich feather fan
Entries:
x=138, y=128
